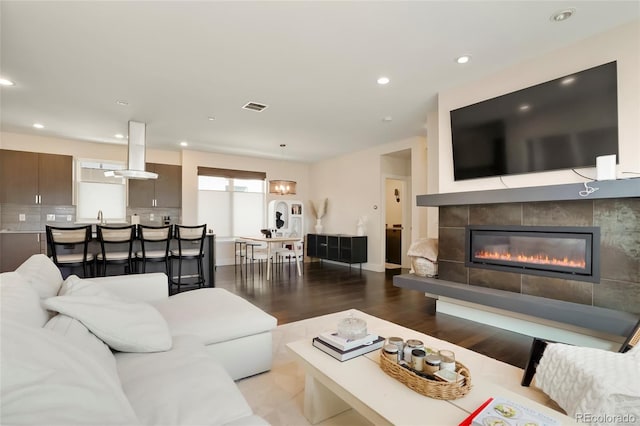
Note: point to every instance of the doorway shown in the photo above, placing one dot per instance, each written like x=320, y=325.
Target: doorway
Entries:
x=396, y=188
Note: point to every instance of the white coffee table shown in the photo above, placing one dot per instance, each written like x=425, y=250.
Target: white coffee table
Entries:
x=332, y=387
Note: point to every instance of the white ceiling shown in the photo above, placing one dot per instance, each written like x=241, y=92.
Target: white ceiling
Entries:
x=314, y=63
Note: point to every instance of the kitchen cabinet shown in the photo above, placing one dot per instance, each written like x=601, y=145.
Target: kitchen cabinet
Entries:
x=35, y=178
x=339, y=248
x=15, y=248
x=166, y=191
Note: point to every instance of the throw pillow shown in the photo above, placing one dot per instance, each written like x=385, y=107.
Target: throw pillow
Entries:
x=77, y=286
x=43, y=275
x=20, y=302
x=46, y=380
x=124, y=326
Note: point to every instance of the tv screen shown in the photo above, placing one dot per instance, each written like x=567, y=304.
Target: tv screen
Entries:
x=561, y=124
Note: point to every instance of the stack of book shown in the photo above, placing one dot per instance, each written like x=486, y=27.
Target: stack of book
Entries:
x=344, y=349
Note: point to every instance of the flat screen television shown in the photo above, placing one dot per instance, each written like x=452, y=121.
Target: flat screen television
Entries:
x=560, y=124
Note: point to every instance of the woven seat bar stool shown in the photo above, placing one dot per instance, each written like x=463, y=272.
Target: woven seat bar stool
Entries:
x=154, y=245
x=190, y=240
x=119, y=237
x=59, y=239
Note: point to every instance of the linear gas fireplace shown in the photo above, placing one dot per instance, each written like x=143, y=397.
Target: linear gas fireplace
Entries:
x=554, y=251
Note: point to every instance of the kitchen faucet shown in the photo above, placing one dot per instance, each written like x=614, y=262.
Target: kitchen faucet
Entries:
x=100, y=217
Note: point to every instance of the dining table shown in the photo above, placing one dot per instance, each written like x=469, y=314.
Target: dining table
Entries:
x=281, y=241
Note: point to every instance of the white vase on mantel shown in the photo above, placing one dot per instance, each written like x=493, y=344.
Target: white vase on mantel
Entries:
x=318, y=226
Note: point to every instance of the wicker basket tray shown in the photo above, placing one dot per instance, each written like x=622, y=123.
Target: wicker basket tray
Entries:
x=432, y=388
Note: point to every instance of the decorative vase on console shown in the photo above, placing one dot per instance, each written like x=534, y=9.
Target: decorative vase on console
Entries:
x=318, y=214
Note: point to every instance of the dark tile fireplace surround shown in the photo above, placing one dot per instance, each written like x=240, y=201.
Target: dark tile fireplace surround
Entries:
x=617, y=219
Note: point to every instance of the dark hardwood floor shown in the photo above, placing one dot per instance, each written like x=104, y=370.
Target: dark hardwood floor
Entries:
x=326, y=288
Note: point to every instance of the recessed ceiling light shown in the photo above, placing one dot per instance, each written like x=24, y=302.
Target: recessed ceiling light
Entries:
x=38, y=126
x=562, y=15
x=121, y=102
x=383, y=80
x=119, y=136
x=5, y=82
x=211, y=118
x=524, y=107
x=567, y=80
x=463, y=59
x=183, y=143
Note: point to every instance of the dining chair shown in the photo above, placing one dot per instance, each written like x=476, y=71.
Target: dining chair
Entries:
x=190, y=240
x=112, y=241
x=60, y=240
x=154, y=245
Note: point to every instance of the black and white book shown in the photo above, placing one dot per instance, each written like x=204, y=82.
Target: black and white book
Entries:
x=341, y=355
x=334, y=339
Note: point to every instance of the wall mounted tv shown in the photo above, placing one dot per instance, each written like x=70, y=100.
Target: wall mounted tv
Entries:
x=561, y=124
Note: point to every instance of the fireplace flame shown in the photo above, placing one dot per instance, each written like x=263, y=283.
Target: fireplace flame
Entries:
x=538, y=259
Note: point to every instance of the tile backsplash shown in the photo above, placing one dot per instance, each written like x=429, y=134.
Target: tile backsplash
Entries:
x=36, y=217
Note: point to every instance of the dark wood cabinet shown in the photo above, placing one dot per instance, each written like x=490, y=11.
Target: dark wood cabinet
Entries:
x=340, y=248
x=394, y=246
x=166, y=191
x=15, y=248
x=35, y=178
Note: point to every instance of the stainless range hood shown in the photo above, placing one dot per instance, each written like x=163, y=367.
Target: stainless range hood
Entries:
x=136, y=154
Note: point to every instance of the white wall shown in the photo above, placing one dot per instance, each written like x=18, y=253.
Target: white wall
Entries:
x=621, y=44
x=354, y=185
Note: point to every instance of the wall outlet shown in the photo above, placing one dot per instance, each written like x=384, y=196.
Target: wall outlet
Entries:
x=51, y=217
x=151, y=217
x=22, y=217
x=69, y=218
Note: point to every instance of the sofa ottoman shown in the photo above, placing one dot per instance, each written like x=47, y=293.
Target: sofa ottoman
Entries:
x=236, y=333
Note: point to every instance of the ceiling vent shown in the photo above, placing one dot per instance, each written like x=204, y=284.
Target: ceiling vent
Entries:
x=254, y=106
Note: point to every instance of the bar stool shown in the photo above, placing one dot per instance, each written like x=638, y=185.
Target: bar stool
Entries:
x=58, y=238
x=110, y=236
x=190, y=247
x=154, y=236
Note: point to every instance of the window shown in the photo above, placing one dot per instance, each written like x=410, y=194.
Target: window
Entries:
x=231, y=202
x=95, y=191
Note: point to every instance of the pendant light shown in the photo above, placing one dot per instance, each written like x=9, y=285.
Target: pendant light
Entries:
x=281, y=186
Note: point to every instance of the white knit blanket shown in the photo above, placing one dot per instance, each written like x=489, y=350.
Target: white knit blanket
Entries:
x=594, y=386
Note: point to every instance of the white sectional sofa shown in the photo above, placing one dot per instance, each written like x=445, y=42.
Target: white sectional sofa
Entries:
x=119, y=351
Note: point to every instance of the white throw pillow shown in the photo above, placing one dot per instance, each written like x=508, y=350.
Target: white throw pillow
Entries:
x=43, y=275
x=77, y=286
x=124, y=326
x=80, y=336
x=20, y=302
x=183, y=386
x=47, y=381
